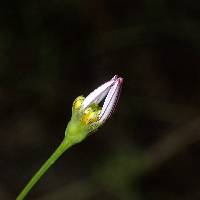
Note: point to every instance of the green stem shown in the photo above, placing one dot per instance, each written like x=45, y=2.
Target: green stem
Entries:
x=58, y=152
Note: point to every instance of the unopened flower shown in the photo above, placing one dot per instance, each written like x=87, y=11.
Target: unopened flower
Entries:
x=92, y=112
x=88, y=114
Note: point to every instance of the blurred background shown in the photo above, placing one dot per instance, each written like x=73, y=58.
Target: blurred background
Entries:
x=53, y=51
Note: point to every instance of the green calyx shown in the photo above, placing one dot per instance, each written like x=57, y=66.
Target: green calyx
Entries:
x=82, y=123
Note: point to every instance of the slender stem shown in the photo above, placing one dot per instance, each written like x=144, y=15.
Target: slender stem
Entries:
x=57, y=153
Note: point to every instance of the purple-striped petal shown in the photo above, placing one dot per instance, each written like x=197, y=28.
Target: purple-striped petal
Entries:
x=98, y=94
x=111, y=100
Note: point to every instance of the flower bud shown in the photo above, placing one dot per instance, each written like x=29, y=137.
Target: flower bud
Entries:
x=89, y=109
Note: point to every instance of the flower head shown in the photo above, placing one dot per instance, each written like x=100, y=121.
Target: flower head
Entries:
x=88, y=114
x=92, y=113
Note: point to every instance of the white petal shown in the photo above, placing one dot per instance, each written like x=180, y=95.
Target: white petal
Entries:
x=111, y=100
x=103, y=95
x=97, y=94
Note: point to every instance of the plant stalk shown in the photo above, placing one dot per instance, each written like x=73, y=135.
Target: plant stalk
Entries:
x=43, y=169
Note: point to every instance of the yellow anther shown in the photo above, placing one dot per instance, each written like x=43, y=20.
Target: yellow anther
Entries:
x=90, y=116
x=78, y=102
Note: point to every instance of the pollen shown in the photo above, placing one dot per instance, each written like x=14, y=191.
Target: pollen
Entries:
x=90, y=116
x=78, y=102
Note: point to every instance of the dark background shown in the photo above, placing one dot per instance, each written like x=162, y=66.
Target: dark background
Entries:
x=53, y=51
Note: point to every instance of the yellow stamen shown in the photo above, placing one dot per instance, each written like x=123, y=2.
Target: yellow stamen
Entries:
x=78, y=102
x=90, y=116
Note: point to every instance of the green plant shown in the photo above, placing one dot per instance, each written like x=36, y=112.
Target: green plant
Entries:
x=87, y=117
